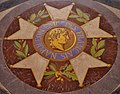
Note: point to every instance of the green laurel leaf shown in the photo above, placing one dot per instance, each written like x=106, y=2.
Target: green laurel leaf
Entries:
x=41, y=13
x=85, y=16
x=17, y=45
x=36, y=21
x=70, y=75
x=44, y=16
x=63, y=68
x=24, y=43
x=48, y=77
x=79, y=12
x=69, y=68
x=101, y=44
x=26, y=50
x=32, y=17
x=73, y=16
x=53, y=67
x=73, y=76
x=21, y=54
x=99, y=53
x=94, y=42
x=81, y=20
x=93, y=51
x=49, y=73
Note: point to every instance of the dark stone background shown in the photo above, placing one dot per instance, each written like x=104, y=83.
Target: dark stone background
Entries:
x=10, y=3
x=117, y=91
x=1, y=92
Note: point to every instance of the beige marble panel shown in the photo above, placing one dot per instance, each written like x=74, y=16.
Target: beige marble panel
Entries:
x=92, y=29
x=27, y=30
x=82, y=63
x=36, y=63
x=57, y=14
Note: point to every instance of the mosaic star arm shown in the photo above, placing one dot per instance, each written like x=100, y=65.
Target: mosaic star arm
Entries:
x=82, y=63
x=36, y=63
x=26, y=31
x=92, y=29
x=59, y=14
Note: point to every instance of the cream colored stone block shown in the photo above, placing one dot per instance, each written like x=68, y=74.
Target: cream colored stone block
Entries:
x=82, y=63
x=59, y=14
x=27, y=30
x=92, y=29
x=36, y=63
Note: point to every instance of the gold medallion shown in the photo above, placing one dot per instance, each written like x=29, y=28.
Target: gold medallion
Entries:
x=60, y=39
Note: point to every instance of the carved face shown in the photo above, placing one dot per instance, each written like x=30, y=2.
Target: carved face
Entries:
x=63, y=37
x=58, y=37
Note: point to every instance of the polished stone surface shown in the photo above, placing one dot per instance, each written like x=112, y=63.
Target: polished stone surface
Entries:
x=14, y=81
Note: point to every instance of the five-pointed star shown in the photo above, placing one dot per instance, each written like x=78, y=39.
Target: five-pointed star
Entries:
x=36, y=63
x=26, y=31
x=57, y=14
x=92, y=29
x=81, y=64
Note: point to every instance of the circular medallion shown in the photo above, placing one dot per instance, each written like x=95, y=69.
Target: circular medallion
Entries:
x=59, y=40
x=59, y=46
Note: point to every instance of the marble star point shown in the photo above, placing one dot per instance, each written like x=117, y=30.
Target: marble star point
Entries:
x=26, y=31
x=57, y=14
x=82, y=63
x=92, y=29
x=36, y=63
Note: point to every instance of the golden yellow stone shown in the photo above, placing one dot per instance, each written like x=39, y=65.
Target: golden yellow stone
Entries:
x=18, y=17
x=38, y=85
x=99, y=15
x=62, y=80
x=11, y=66
x=81, y=85
x=58, y=78
x=108, y=65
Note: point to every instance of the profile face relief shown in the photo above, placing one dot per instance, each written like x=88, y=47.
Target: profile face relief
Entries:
x=59, y=40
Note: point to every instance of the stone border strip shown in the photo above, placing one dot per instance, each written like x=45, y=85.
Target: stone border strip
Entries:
x=6, y=4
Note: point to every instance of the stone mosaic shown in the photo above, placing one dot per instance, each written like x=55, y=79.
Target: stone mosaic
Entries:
x=60, y=47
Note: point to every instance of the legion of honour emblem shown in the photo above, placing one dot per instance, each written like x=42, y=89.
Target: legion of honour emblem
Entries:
x=60, y=48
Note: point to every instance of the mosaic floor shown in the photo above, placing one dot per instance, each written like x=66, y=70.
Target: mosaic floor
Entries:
x=58, y=47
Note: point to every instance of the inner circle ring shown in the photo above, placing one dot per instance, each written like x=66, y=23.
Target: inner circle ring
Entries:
x=39, y=46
